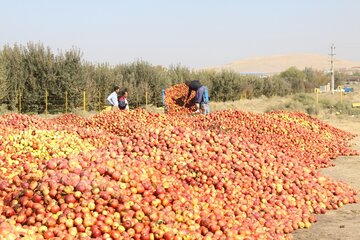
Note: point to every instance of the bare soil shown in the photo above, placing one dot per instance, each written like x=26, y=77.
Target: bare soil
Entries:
x=278, y=63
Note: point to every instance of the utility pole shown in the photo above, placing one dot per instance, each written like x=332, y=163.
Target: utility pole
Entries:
x=332, y=68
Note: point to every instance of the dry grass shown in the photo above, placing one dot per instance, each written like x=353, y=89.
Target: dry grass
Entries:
x=328, y=104
x=257, y=105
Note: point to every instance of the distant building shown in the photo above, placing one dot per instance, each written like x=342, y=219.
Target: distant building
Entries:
x=257, y=74
x=349, y=71
x=325, y=88
x=352, y=80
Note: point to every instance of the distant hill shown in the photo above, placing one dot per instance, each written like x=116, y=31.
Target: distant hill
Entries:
x=279, y=63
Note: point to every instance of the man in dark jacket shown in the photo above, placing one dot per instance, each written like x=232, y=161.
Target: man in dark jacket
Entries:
x=195, y=85
x=123, y=103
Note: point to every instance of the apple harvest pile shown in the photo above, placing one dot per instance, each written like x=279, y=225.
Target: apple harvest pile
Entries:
x=139, y=175
x=175, y=99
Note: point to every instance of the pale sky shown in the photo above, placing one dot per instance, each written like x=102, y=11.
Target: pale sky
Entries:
x=193, y=33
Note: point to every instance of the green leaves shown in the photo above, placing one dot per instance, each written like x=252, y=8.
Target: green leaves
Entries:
x=33, y=69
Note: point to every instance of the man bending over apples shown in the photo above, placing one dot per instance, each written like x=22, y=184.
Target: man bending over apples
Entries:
x=201, y=98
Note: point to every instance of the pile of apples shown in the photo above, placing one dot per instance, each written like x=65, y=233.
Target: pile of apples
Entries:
x=139, y=175
x=175, y=97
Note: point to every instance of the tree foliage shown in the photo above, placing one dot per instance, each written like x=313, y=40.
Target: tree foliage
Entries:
x=296, y=78
x=27, y=72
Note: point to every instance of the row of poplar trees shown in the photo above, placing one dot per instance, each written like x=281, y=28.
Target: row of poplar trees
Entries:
x=27, y=72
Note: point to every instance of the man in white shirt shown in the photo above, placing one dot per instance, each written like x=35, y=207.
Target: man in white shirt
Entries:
x=113, y=98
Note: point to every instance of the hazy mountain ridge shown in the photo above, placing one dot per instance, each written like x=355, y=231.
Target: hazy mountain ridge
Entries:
x=279, y=63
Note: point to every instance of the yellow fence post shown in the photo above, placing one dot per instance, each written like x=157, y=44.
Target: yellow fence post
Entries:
x=84, y=101
x=341, y=94
x=146, y=100
x=243, y=96
x=99, y=101
x=19, y=101
x=66, y=102
x=317, y=90
x=46, y=102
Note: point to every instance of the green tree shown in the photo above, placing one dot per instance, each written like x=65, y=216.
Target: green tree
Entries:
x=178, y=74
x=4, y=83
x=38, y=76
x=356, y=73
x=340, y=79
x=12, y=64
x=33, y=69
x=296, y=78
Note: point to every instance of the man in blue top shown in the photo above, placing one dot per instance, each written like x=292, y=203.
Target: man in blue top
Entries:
x=113, y=98
x=195, y=85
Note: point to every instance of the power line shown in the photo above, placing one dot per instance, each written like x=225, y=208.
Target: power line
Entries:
x=332, y=68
